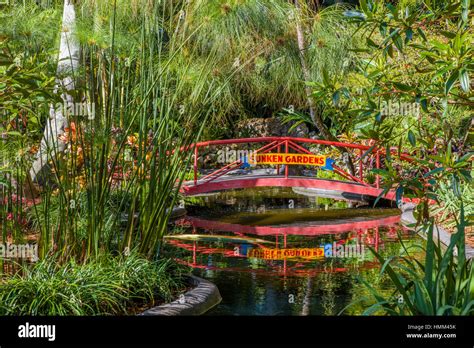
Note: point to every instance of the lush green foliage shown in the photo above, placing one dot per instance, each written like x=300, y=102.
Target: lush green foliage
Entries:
x=420, y=54
x=154, y=72
x=448, y=211
x=105, y=286
x=125, y=149
x=162, y=73
x=442, y=285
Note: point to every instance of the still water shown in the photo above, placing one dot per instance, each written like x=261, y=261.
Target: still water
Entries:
x=272, y=251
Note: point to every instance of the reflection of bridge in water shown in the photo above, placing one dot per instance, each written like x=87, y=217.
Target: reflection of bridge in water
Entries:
x=309, y=229
x=365, y=232
x=354, y=184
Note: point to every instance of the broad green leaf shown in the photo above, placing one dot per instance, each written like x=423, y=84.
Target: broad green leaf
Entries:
x=378, y=117
x=408, y=35
x=393, y=10
x=355, y=15
x=464, y=80
x=465, y=10
x=389, y=50
x=424, y=104
x=363, y=6
x=434, y=171
x=422, y=34
x=371, y=43
x=465, y=157
x=397, y=40
x=403, y=87
x=411, y=138
x=383, y=29
x=326, y=77
x=448, y=34
x=450, y=82
x=429, y=260
x=14, y=134
x=399, y=194
x=335, y=98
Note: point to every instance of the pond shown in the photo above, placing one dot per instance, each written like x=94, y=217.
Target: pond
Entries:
x=272, y=251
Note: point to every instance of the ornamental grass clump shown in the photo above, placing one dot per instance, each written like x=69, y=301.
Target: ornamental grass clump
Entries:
x=106, y=286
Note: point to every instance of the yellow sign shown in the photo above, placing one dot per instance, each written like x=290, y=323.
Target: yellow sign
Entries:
x=288, y=158
x=284, y=254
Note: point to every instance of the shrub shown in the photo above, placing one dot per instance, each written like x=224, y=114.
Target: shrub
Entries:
x=106, y=286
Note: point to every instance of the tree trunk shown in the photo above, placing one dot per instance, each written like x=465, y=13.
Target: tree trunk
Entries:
x=318, y=122
x=306, y=309
x=68, y=62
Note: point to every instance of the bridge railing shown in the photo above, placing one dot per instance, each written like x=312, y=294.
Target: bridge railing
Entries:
x=295, y=144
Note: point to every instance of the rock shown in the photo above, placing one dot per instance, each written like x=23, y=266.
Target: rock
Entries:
x=204, y=296
x=267, y=127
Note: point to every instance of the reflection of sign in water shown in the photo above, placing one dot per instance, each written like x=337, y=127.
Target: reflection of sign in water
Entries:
x=282, y=254
x=289, y=159
x=334, y=250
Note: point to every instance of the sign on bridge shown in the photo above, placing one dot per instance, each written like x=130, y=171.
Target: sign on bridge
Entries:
x=291, y=159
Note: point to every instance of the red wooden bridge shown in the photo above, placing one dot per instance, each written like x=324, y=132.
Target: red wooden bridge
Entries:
x=365, y=158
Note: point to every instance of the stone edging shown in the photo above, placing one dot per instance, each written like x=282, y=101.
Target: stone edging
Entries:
x=204, y=296
x=328, y=193
x=408, y=218
x=177, y=212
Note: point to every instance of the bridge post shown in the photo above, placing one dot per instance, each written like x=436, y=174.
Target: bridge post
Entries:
x=278, y=166
x=377, y=165
x=286, y=166
x=195, y=163
x=361, y=174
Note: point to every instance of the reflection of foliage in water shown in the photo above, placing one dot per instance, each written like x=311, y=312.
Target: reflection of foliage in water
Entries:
x=263, y=197
x=361, y=297
x=328, y=297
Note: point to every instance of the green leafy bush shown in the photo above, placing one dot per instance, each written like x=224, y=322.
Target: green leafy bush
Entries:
x=450, y=204
x=107, y=286
x=442, y=285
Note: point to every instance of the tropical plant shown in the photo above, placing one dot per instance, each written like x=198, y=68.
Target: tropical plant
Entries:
x=129, y=146
x=269, y=75
x=442, y=285
x=105, y=286
x=447, y=212
x=417, y=54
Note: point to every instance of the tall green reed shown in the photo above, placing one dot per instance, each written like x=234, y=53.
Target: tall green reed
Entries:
x=141, y=120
